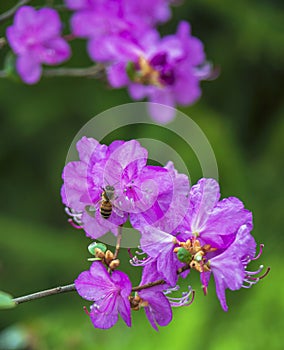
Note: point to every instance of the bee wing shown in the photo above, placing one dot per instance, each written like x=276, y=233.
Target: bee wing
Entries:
x=117, y=210
x=91, y=209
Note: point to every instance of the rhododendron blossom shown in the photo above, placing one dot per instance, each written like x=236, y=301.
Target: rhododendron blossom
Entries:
x=183, y=231
x=35, y=39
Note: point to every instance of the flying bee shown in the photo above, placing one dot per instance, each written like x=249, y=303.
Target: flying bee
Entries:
x=106, y=204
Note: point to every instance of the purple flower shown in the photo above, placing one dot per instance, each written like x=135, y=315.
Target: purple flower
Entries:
x=166, y=71
x=156, y=305
x=35, y=39
x=171, y=205
x=229, y=267
x=159, y=246
x=212, y=221
x=109, y=293
x=121, y=167
x=105, y=23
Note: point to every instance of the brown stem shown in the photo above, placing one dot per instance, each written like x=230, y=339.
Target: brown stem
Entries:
x=45, y=293
x=71, y=287
x=118, y=242
x=148, y=285
x=89, y=72
x=6, y=15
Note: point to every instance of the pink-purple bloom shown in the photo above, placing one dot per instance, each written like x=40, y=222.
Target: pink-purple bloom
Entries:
x=109, y=293
x=122, y=35
x=122, y=165
x=211, y=220
x=156, y=305
x=35, y=38
x=164, y=70
x=216, y=235
x=182, y=230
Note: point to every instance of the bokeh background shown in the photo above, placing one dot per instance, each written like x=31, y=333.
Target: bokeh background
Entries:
x=241, y=113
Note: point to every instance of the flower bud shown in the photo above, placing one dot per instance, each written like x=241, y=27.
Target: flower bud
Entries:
x=96, y=246
x=184, y=255
x=114, y=264
x=108, y=256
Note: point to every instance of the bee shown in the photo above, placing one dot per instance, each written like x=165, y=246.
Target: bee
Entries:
x=106, y=205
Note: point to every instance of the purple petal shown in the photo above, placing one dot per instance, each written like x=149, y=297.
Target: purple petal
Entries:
x=158, y=97
x=154, y=241
x=89, y=148
x=75, y=186
x=109, y=317
x=97, y=226
x=26, y=16
x=137, y=91
x=226, y=218
x=186, y=88
x=130, y=152
x=116, y=74
x=123, y=282
x=203, y=198
x=54, y=52
x=15, y=40
x=48, y=23
x=228, y=271
x=94, y=284
x=159, y=310
x=29, y=69
x=124, y=310
x=80, y=4
x=84, y=24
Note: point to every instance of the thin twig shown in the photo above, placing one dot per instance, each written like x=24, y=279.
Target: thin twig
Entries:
x=6, y=15
x=118, y=242
x=71, y=288
x=45, y=293
x=89, y=72
x=148, y=285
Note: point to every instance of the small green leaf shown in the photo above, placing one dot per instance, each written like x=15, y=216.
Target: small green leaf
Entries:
x=6, y=301
x=130, y=70
x=10, y=67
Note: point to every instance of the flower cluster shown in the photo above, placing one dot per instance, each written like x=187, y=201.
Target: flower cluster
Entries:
x=121, y=35
x=182, y=230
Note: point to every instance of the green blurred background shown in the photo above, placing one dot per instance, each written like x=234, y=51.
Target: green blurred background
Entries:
x=241, y=113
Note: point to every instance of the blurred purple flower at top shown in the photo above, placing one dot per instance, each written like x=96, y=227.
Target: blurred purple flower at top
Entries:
x=165, y=70
x=104, y=22
x=35, y=39
x=109, y=293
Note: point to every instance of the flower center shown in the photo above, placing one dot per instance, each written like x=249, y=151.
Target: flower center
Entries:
x=193, y=254
x=137, y=303
x=155, y=71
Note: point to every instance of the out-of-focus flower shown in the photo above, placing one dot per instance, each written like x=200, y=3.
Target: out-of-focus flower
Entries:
x=164, y=70
x=109, y=293
x=105, y=22
x=35, y=39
